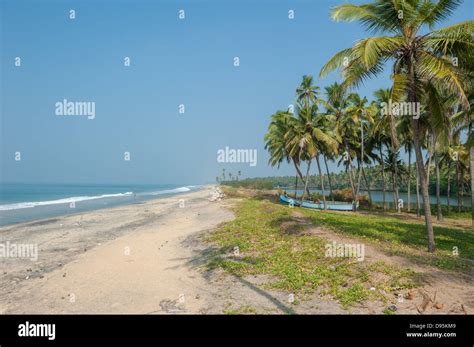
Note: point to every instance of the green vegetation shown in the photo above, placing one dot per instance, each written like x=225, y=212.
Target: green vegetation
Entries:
x=426, y=111
x=401, y=237
x=273, y=242
x=339, y=180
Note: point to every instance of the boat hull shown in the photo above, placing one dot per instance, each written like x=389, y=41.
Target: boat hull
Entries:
x=317, y=206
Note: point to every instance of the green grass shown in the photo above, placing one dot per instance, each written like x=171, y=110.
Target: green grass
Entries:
x=403, y=237
x=241, y=310
x=273, y=243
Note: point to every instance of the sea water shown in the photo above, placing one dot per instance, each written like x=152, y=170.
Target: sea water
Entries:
x=20, y=202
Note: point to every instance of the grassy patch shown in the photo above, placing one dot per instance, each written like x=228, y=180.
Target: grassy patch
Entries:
x=403, y=237
x=272, y=242
x=241, y=310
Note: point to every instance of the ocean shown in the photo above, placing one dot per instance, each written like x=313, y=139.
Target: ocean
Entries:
x=21, y=202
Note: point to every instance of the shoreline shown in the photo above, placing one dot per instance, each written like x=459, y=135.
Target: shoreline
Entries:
x=93, y=203
x=117, y=251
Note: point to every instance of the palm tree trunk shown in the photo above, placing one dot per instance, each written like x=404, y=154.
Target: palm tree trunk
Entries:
x=409, y=181
x=419, y=158
x=395, y=181
x=298, y=171
x=417, y=190
x=296, y=184
x=351, y=179
x=395, y=200
x=383, y=178
x=448, y=192
x=359, y=176
x=329, y=175
x=438, y=195
x=430, y=157
x=458, y=181
x=306, y=181
x=367, y=185
x=462, y=189
x=322, y=181
x=424, y=188
x=471, y=157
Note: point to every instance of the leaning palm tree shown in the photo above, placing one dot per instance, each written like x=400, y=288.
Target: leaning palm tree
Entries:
x=324, y=141
x=299, y=144
x=277, y=144
x=441, y=57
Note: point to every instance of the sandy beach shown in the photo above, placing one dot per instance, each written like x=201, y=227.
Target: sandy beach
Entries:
x=148, y=258
x=128, y=259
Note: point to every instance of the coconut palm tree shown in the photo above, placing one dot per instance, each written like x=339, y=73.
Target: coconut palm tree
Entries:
x=396, y=174
x=324, y=142
x=361, y=113
x=441, y=57
x=380, y=134
x=464, y=121
x=277, y=144
x=306, y=92
x=337, y=103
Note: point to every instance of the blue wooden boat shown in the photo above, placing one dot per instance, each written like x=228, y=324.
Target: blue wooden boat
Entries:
x=335, y=206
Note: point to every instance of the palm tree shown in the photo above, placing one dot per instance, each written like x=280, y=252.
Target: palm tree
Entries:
x=306, y=92
x=383, y=96
x=223, y=174
x=324, y=142
x=463, y=121
x=337, y=104
x=380, y=135
x=406, y=138
x=397, y=173
x=361, y=113
x=418, y=59
x=277, y=144
x=440, y=108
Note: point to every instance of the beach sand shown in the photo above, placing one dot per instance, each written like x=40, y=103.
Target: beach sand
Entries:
x=129, y=259
x=147, y=259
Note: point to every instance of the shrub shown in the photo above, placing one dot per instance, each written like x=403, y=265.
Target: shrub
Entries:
x=346, y=196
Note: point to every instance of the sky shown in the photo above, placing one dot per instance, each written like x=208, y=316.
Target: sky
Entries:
x=173, y=62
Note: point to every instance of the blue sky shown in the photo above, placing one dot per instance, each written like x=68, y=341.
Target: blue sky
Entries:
x=173, y=62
